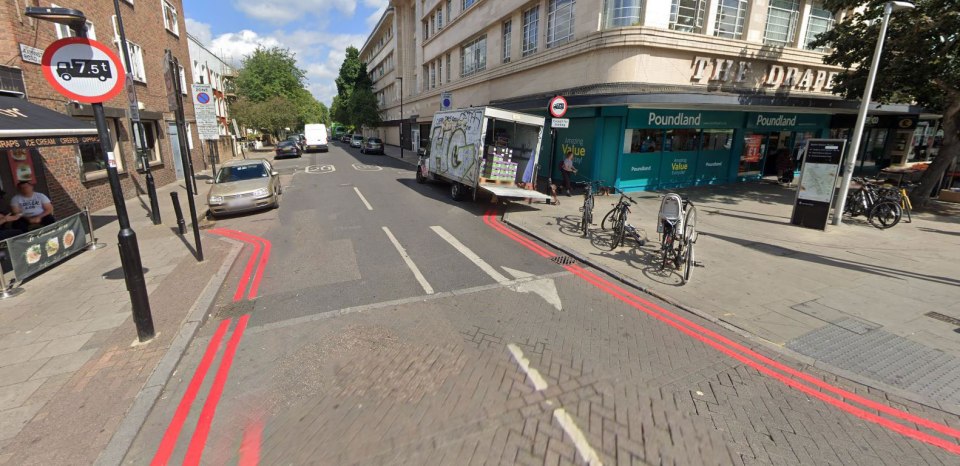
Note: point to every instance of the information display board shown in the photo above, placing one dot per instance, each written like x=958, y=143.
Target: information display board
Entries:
x=818, y=181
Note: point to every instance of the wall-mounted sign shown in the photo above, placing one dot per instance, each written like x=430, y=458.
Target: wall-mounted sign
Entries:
x=560, y=123
x=818, y=182
x=446, y=100
x=638, y=119
x=711, y=70
x=787, y=121
x=31, y=54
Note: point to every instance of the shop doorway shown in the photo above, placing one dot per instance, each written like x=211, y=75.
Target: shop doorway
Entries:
x=174, y=137
x=759, y=156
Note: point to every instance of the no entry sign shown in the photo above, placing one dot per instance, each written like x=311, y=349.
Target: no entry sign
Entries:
x=83, y=70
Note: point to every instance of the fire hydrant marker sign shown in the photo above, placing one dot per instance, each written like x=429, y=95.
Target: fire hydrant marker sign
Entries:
x=83, y=70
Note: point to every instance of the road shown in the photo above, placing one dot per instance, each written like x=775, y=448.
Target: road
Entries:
x=382, y=323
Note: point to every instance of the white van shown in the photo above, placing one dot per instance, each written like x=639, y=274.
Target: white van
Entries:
x=316, y=134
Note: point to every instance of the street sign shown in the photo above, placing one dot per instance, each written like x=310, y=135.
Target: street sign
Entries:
x=83, y=70
x=205, y=110
x=560, y=123
x=132, y=104
x=31, y=54
x=446, y=100
x=169, y=85
x=558, y=107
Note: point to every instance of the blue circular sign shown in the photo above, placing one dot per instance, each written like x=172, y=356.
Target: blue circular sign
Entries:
x=446, y=102
x=203, y=98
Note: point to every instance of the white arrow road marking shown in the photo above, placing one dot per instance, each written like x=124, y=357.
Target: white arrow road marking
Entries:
x=406, y=258
x=369, y=207
x=566, y=422
x=546, y=287
x=492, y=272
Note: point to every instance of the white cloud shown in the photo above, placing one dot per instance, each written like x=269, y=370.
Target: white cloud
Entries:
x=199, y=30
x=280, y=12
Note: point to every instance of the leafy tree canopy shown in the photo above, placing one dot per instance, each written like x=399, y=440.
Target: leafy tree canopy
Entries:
x=920, y=63
x=355, y=104
x=269, y=72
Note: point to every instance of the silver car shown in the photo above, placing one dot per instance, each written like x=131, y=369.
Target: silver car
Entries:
x=243, y=186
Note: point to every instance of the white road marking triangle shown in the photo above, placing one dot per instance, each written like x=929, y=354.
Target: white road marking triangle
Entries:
x=546, y=287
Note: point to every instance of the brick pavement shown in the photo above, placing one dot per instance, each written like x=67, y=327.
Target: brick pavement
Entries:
x=68, y=372
x=781, y=283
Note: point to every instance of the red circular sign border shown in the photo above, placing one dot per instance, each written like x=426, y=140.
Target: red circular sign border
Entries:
x=48, y=70
x=565, y=105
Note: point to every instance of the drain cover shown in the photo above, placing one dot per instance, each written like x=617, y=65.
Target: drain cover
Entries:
x=944, y=318
x=564, y=260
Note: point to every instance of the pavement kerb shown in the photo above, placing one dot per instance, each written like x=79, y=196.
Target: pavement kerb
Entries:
x=131, y=424
x=802, y=358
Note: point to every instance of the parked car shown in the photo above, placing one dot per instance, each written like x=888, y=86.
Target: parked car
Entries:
x=356, y=141
x=372, y=146
x=243, y=186
x=345, y=138
x=288, y=148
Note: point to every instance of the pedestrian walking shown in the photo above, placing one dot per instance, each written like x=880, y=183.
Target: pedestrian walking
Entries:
x=567, y=170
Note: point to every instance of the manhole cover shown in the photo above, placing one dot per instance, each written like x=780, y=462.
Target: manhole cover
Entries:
x=564, y=260
x=944, y=318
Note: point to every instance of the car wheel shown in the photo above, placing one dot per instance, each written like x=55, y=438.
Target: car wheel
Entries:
x=456, y=191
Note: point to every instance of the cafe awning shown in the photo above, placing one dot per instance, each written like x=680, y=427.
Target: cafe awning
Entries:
x=24, y=125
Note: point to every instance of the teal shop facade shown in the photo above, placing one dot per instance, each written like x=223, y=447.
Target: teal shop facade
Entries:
x=639, y=149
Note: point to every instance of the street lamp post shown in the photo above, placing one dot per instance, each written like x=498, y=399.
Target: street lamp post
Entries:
x=126, y=238
x=851, y=164
x=135, y=118
x=401, y=116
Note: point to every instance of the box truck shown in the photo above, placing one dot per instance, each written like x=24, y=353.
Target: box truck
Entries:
x=316, y=136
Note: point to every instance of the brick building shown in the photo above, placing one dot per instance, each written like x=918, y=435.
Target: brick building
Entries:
x=75, y=176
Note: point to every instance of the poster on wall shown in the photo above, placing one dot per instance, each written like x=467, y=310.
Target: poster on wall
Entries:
x=21, y=165
x=752, y=150
x=818, y=182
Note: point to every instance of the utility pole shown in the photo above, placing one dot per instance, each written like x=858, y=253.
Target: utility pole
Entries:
x=174, y=70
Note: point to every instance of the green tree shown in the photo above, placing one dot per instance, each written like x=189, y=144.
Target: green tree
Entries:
x=355, y=103
x=269, y=72
x=364, y=106
x=271, y=115
x=310, y=110
x=920, y=63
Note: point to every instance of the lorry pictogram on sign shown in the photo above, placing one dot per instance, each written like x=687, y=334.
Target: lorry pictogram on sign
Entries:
x=80, y=68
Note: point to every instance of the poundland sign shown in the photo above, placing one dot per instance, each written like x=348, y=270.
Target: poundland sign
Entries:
x=679, y=119
x=787, y=121
x=638, y=118
x=779, y=120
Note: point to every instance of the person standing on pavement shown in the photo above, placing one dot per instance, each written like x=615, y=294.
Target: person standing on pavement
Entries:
x=31, y=208
x=567, y=170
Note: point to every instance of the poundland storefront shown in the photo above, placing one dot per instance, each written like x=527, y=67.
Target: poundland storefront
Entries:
x=647, y=149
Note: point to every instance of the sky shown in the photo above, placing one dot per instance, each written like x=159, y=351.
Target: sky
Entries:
x=317, y=31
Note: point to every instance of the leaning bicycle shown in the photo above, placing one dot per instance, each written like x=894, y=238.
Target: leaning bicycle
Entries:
x=677, y=225
x=586, y=217
x=618, y=221
x=881, y=210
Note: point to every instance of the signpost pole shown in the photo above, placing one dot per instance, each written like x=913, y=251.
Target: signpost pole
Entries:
x=135, y=120
x=185, y=154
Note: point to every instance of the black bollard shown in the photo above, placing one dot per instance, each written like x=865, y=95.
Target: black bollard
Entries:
x=181, y=225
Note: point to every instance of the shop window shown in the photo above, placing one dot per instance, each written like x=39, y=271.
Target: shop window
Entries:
x=781, y=22
x=751, y=159
x=92, y=163
x=731, y=15
x=147, y=148
x=820, y=21
x=643, y=140
x=717, y=139
x=681, y=140
x=559, y=22
x=687, y=15
x=622, y=13
x=531, y=21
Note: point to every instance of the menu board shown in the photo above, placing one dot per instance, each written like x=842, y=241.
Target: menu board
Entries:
x=818, y=181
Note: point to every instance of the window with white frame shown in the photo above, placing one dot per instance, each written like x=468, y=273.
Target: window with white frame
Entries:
x=439, y=18
x=426, y=78
x=426, y=31
x=433, y=75
x=171, y=20
x=473, y=56
x=183, y=81
x=820, y=21
x=440, y=71
x=137, y=70
x=64, y=31
x=781, y=22
x=449, y=67
x=467, y=4
x=147, y=147
x=622, y=13
x=687, y=15
x=559, y=22
x=507, y=28
x=531, y=22
x=731, y=15
x=449, y=10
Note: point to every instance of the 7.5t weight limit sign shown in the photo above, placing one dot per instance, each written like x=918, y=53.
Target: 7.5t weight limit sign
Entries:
x=83, y=70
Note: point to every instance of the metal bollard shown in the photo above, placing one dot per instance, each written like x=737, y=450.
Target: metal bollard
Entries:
x=181, y=225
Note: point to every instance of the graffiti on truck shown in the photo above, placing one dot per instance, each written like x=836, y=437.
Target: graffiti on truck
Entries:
x=454, y=139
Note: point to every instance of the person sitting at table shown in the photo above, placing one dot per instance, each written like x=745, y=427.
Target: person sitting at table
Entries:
x=6, y=222
x=30, y=209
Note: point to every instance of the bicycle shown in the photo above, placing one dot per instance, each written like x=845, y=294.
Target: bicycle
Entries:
x=882, y=212
x=677, y=225
x=900, y=196
x=586, y=218
x=619, y=222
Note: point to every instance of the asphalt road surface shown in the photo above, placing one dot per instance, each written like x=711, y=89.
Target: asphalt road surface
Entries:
x=371, y=320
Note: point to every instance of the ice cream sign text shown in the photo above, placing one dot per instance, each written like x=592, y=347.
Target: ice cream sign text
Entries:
x=720, y=70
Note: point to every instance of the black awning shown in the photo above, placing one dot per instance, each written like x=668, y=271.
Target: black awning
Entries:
x=24, y=124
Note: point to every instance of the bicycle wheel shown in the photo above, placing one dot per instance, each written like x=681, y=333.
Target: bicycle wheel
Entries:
x=885, y=214
x=585, y=223
x=689, y=263
x=610, y=217
x=666, y=249
x=618, y=231
x=690, y=225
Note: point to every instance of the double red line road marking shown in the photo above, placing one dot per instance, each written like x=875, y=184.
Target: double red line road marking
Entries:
x=250, y=447
x=898, y=421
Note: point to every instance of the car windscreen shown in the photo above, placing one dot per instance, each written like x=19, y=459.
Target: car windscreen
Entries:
x=287, y=144
x=375, y=141
x=241, y=173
